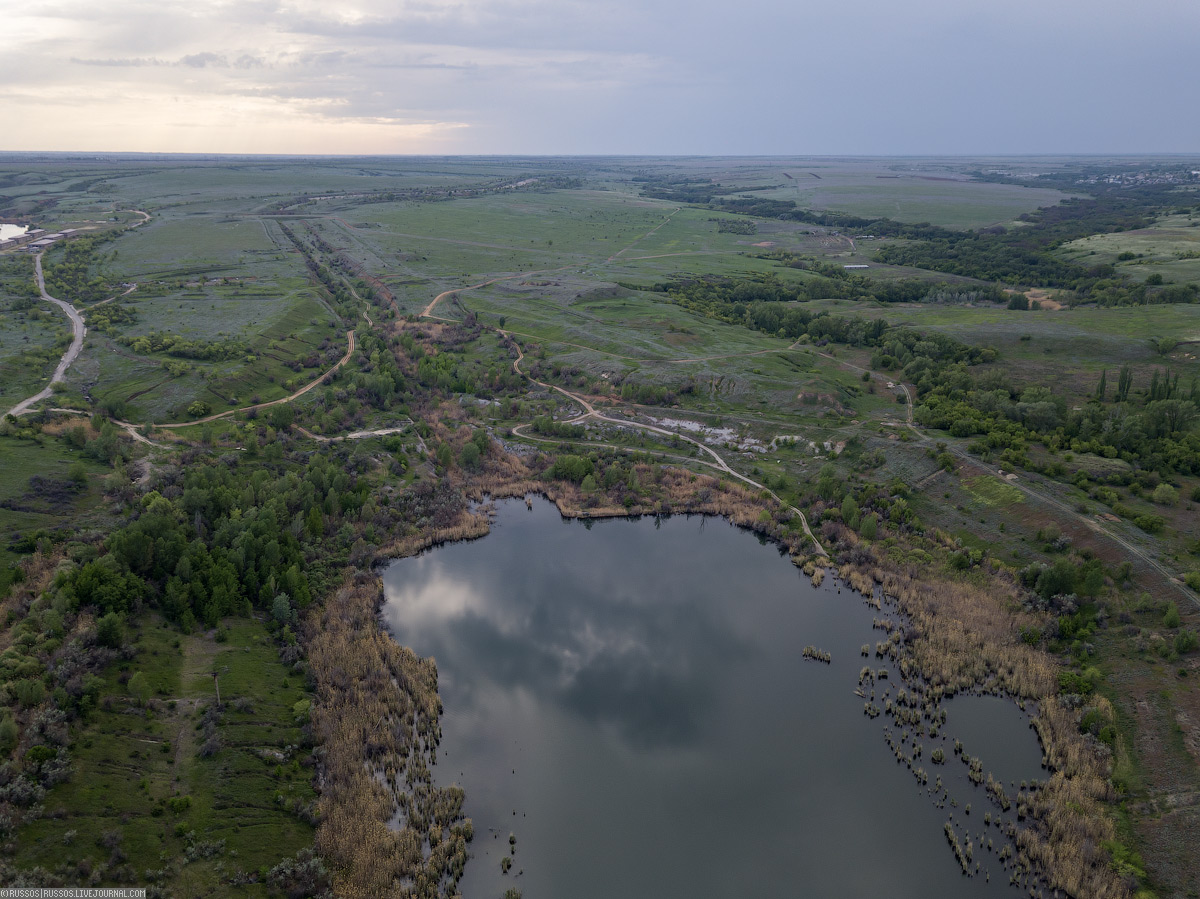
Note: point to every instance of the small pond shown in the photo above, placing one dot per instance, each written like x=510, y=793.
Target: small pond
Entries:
x=629, y=699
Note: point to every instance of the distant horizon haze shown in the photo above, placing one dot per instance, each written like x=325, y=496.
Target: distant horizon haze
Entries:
x=658, y=78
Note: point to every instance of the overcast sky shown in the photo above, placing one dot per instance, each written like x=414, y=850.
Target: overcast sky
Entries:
x=601, y=76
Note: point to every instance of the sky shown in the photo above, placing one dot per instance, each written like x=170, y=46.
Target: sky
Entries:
x=626, y=77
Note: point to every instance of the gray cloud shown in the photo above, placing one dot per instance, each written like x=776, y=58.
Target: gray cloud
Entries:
x=119, y=63
x=205, y=60
x=667, y=76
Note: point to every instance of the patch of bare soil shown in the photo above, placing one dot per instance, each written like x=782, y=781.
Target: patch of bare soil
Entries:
x=1043, y=297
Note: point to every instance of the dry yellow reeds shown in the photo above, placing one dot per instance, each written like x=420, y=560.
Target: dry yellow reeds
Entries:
x=375, y=716
x=962, y=636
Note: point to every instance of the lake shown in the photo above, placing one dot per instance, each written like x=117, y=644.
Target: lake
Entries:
x=630, y=701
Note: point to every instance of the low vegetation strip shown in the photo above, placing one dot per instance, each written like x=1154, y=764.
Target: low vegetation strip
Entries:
x=376, y=716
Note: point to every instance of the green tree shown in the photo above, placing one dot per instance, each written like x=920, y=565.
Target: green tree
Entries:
x=1124, y=383
x=469, y=457
x=850, y=512
x=1165, y=495
x=870, y=526
x=8, y=735
x=281, y=416
x=110, y=630
x=138, y=687
x=313, y=522
x=281, y=609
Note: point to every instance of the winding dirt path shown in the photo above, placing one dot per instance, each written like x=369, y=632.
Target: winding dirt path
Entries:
x=427, y=312
x=717, y=461
x=1038, y=495
x=116, y=296
x=79, y=330
x=650, y=233
x=286, y=399
x=353, y=435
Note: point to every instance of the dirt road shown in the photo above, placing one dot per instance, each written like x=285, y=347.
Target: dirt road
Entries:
x=717, y=461
x=1025, y=487
x=72, y=353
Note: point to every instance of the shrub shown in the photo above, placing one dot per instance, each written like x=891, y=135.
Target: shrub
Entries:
x=1171, y=618
x=469, y=457
x=109, y=630
x=8, y=735
x=571, y=468
x=1081, y=682
x=1165, y=495
x=1151, y=524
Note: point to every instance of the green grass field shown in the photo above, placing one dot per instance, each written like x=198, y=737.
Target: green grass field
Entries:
x=1067, y=348
x=185, y=818
x=1171, y=248
x=26, y=508
x=31, y=342
x=924, y=198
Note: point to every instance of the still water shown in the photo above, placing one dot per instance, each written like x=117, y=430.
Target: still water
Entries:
x=629, y=699
x=7, y=231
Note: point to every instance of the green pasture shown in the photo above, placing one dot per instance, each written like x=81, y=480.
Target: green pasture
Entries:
x=138, y=769
x=917, y=198
x=24, y=508
x=158, y=387
x=31, y=343
x=253, y=184
x=218, y=311
x=162, y=247
x=510, y=230
x=615, y=335
x=1171, y=248
x=1067, y=348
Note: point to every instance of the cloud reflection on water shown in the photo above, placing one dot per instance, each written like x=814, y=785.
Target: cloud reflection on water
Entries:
x=601, y=648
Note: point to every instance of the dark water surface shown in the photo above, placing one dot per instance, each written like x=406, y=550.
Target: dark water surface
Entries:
x=634, y=691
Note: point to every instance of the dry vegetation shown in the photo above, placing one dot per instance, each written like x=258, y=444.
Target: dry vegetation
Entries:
x=962, y=636
x=376, y=718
